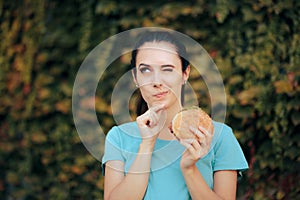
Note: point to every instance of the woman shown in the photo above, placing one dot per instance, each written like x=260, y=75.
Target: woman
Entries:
x=143, y=160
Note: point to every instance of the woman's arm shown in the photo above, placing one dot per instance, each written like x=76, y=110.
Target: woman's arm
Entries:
x=134, y=184
x=224, y=184
x=224, y=181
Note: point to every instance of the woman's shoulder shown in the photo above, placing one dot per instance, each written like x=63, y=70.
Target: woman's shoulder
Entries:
x=221, y=128
x=125, y=129
x=223, y=134
x=227, y=150
x=128, y=125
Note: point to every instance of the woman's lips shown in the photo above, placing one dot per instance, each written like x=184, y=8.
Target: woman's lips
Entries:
x=160, y=94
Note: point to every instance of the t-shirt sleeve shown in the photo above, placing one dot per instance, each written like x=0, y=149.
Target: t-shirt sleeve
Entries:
x=112, y=150
x=228, y=152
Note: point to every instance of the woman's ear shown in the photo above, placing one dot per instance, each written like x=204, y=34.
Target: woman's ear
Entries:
x=133, y=73
x=186, y=74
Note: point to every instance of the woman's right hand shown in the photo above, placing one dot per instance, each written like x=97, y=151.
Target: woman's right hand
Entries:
x=151, y=122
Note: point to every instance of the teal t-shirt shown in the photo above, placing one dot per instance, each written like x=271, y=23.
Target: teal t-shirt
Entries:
x=166, y=180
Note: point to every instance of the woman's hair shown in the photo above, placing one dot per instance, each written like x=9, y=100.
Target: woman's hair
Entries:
x=158, y=36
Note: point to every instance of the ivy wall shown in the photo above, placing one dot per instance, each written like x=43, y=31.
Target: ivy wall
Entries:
x=255, y=45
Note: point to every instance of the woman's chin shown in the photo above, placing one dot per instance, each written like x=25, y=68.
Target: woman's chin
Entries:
x=155, y=103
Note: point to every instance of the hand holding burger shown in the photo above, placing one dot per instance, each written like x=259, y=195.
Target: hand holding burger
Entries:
x=194, y=129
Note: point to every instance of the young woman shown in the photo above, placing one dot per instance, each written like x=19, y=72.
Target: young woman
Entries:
x=143, y=160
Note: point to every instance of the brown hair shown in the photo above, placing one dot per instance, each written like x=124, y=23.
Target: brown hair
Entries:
x=158, y=36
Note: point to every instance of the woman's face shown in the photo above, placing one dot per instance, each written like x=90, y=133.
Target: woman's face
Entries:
x=159, y=73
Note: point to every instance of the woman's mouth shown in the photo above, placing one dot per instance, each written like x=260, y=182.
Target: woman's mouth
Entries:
x=160, y=94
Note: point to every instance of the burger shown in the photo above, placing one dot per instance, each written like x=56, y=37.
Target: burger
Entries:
x=190, y=117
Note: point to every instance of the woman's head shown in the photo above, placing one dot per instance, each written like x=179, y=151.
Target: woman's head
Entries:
x=161, y=36
x=159, y=69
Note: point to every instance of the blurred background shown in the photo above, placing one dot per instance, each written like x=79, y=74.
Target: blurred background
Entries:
x=255, y=44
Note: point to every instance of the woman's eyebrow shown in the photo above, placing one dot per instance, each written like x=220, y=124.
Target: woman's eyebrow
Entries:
x=162, y=66
x=168, y=65
x=143, y=64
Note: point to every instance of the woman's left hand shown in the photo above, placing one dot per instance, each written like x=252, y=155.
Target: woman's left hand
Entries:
x=196, y=148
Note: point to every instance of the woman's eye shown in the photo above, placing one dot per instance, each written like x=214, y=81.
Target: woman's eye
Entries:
x=144, y=69
x=168, y=69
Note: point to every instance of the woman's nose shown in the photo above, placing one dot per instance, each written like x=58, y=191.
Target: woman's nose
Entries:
x=156, y=85
x=157, y=79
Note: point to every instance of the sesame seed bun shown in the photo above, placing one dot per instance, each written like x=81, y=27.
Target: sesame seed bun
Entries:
x=194, y=117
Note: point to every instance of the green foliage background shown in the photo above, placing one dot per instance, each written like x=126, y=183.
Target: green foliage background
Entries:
x=255, y=45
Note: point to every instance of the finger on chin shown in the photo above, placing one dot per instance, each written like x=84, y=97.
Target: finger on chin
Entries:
x=158, y=107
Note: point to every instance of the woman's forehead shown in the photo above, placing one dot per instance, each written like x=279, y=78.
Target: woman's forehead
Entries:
x=159, y=46
x=158, y=57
